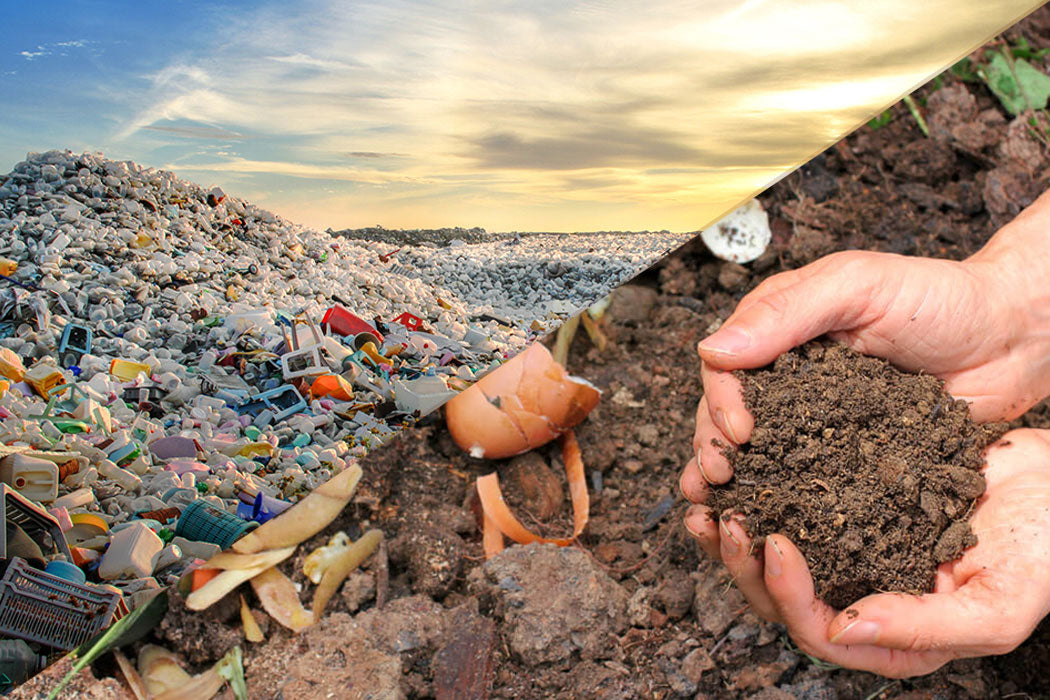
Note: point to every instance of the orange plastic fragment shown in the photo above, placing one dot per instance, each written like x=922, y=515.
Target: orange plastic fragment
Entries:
x=332, y=385
x=201, y=576
x=499, y=519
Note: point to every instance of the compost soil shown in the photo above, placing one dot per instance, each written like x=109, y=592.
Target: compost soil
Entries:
x=871, y=471
x=634, y=611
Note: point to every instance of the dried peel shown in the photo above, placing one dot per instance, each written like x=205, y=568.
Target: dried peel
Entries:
x=252, y=565
x=252, y=631
x=280, y=600
x=339, y=569
x=306, y=518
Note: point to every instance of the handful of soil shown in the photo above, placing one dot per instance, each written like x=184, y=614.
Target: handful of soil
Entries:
x=870, y=471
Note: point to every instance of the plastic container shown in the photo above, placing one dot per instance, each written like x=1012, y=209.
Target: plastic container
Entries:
x=32, y=477
x=65, y=570
x=11, y=366
x=342, y=322
x=131, y=552
x=39, y=607
x=126, y=370
x=18, y=661
x=127, y=480
x=205, y=523
x=35, y=522
x=75, y=499
x=43, y=378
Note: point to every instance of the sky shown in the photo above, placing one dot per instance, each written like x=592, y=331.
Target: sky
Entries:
x=515, y=116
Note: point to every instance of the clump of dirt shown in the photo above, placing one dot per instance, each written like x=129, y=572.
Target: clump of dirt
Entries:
x=871, y=471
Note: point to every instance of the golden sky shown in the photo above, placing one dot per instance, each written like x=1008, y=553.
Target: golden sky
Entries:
x=544, y=115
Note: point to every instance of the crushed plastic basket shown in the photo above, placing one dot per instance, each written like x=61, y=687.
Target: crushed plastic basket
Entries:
x=39, y=607
x=203, y=522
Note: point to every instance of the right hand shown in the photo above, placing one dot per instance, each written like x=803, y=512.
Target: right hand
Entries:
x=970, y=323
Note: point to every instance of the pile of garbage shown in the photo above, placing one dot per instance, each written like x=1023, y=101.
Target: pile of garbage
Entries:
x=519, y=276
x=178, y=366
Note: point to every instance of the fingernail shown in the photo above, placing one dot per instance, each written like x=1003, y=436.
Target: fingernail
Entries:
x=732, y=544
x=858, y=632
x=700, y=466
x=726, y=341
x=722, y=419
x=691, y=513
x=774, y=563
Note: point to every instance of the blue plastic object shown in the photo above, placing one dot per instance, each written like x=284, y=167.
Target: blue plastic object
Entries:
x=75, y=338
x=65, y=570
x=255, y=510
x=284, y=401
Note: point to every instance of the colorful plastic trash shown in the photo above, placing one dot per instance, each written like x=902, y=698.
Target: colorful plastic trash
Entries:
x=126, y=370
x=34, y=478
x=332, y=385
x=342, y=322
x=11, y=365
x=174, y=447
x=65, y=570
x=43, y=378
x=203, y=522
x=75, y=342
x=39, y=607
x=255, y=510
x=409, y=321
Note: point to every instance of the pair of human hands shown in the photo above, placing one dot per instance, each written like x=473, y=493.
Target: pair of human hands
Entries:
x=970, y=323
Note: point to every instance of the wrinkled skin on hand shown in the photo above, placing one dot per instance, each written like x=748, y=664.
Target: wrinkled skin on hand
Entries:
x=987, y=602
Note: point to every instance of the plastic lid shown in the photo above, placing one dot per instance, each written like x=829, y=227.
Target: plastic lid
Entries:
x=65, y=570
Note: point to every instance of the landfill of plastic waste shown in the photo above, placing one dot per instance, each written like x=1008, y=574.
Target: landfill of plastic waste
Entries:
x=178, y=366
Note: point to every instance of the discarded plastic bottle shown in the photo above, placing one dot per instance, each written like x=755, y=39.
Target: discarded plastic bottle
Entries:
x=18, y=661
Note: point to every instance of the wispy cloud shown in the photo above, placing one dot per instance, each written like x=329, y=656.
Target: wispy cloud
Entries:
x=59, y=48
x=196, y=132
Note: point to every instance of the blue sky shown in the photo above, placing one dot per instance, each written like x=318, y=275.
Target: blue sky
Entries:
x=543, y=115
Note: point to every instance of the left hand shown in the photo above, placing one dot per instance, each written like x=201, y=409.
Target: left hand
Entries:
x=987, y=602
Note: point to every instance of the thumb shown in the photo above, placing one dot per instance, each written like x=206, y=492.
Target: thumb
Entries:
x=832, y=294
x=973, y=620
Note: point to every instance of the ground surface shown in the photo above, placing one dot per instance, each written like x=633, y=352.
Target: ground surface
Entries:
x=872, y=471
x=634, y=611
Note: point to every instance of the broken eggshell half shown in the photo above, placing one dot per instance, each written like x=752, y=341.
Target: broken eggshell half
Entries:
x=520, y=406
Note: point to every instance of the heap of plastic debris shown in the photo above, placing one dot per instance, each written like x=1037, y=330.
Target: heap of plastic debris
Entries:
x=515, y=274
x=178, y=366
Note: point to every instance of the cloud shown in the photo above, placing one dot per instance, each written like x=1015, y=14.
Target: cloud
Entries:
x=373, y=154
x=197, y=132
x=54, y=48
x=301, y=170
x=301, y=59
x=545, y=103
x=586, y=148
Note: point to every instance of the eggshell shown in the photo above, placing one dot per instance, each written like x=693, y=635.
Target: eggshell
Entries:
x=526, y=403
x=740, y=237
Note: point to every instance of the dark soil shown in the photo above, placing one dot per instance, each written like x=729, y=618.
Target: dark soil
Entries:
x=871, y=471
x=635, y=611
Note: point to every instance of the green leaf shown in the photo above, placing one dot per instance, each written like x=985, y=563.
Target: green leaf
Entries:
x=881, y=120
x=1019, y=87
x=130, y=628
x=963, y=70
